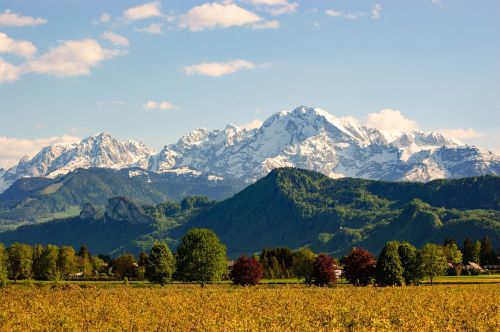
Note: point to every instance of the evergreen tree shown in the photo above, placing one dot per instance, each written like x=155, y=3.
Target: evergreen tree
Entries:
x=433, y=260
x=408, y=255
x=486, y=254
x=20, y=261
x=389, y=270
x=143, y=259
x=85, y=261
x=467, y=251
x=277, y=263
x=37, y=266
x=201, y=257
x=160, y=265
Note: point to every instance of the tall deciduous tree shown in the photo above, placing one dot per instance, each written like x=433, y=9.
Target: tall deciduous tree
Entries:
x=246, y=271
x=123, y=266
x=408, y=255
x=66, y=261
x=452, y=253
x=476, y=252
x=3, y=265
x=302, y=264
x=49, y=262
x=389, y=268
x=433, y=260
x=359, y=267
x=201, y=257
x=323, y=270
x=20, y=261
x=160, y=265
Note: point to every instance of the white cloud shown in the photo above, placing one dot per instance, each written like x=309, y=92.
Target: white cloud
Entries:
x=266, y=25
x=115, y=38
x=342, y=14
x=286, y=9
x=162, y=105
x=105, y=18
x=151, y=9
x=376, y=10
x=154, y=28
x=217, y=69
x=21, y=48
x=71, y=58
x=8, y=72
x=459, y=133
x=13, y=149
x=389, y=119
x=213, y=15
x=437, y=2
x=255, y=123
x=276, y=7
x=14, y=19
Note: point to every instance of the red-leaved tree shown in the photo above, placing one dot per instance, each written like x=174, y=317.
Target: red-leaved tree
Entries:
x=246, y=271
x=359, y=267
x=323, y=270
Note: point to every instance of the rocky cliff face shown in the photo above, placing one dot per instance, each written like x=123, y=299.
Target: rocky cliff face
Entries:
x=91, y=212
x=120, y=209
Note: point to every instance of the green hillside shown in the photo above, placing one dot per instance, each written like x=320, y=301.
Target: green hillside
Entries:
x=294, y=208
x=35, y=200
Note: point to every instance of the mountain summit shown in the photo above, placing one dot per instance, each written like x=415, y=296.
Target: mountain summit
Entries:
x=305, y=137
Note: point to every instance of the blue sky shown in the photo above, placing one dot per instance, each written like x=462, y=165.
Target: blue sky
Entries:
x=152, y=71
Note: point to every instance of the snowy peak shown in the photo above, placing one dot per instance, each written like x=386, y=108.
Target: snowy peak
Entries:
x=304, y=137
x=101, y=150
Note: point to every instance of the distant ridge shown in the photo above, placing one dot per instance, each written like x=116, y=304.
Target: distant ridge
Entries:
x=293, y=208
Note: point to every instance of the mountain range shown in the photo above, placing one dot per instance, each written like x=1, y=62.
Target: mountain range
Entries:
x=289, y=207
x=305, y=137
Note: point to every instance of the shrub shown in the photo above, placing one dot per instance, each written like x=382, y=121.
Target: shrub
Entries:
x=246, y=271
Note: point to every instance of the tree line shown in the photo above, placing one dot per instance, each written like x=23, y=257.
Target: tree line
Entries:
x=201, y=258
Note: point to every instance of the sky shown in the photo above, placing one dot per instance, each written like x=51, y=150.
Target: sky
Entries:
x=153, y=71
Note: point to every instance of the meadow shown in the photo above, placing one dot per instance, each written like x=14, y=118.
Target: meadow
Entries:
x=267, y=307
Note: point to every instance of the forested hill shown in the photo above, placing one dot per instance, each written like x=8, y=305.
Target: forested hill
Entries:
x=293, y=207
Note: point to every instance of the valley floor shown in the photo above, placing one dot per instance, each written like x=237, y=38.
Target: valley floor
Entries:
x=224, y=307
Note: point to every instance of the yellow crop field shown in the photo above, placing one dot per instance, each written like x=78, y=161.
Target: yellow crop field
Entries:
x=262, y=308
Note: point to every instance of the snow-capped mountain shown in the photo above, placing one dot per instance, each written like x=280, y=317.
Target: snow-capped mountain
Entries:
x=314, y=139
x=305, y=137
x=100, y=150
